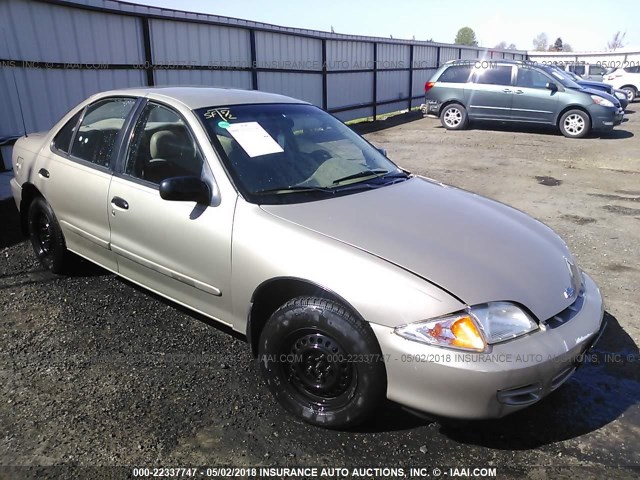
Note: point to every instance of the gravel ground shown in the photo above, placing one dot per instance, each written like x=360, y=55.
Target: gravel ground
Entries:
x=97, y=372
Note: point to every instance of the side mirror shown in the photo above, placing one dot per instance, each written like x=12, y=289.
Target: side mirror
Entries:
x=552, y=86
x=185, y=189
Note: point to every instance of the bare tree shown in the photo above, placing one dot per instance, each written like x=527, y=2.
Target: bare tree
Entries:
x=567, y=48
x=541, y=42
x=512, y=46
x=617, y=41
x=501, y=45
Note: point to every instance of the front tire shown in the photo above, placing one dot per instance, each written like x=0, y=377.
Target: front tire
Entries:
x=632, y=93
x=46, y=236
x=322, y=363
x=454, y=117
x=575, y=124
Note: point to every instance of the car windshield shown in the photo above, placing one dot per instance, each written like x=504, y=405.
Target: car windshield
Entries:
x=289, y=153
x=562, y=77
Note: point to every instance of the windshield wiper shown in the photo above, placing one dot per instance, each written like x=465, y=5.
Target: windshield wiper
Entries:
x=294, y=189
x=365, y=173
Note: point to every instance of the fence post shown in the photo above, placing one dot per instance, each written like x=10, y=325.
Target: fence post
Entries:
x=410, y=76
x=324, y=75
x=148, y=55
x=438, y=57
x=254, y=61
x=375, y=80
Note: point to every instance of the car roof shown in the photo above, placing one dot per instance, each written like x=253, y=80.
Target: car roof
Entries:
x=195, y=97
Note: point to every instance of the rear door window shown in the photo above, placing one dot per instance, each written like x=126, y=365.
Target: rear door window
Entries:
x=497, y=75
x=96, y=137
x=456, y=74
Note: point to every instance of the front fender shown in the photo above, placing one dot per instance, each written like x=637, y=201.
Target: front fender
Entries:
x=267, y=247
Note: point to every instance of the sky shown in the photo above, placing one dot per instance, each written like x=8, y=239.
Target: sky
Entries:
x=582, y=26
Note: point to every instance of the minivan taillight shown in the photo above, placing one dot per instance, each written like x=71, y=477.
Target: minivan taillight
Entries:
x=428, y=86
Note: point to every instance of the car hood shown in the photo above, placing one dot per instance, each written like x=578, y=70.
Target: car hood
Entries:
x=600, y=93
x=477, y=249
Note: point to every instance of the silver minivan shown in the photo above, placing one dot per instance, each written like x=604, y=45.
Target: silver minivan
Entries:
x=515, y=91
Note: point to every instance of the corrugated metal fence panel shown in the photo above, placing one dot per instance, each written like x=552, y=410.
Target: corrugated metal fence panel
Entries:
x=448, y=53
x=275, y=50
x=420, y=77
x=305, y=86
x=47, y=94
x=358, y=113
x=176, y=43
x=51, y=33
x=10, y=123
x=392, y=85
x=393, y=56
x=392, y=107
x=346, y=89
x=468, y=54
x=345, y=55
x=425, y=56
x=211, y=78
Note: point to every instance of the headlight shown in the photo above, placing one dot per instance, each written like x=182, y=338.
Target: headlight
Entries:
x=601, y=101
x=473, y=329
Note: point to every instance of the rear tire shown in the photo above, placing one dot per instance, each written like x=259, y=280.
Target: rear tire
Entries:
x=575, y=124
x=454, y=117
x=632, y=93
x=322, y=363
x=46, y=236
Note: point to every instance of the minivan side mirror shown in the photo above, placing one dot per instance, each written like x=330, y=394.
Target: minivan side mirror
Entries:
x=552, y=86
x=185, y=189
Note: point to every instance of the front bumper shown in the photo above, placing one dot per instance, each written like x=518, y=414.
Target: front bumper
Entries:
x=16, y=191
x=512, y=376
x=605, y=118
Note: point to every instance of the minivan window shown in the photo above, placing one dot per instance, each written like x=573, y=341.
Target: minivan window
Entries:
x=500, y=75
x=596, y=70
x=456, y=74
x=528, y=78
x=577, y=69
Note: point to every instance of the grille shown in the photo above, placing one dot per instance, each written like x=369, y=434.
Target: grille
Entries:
x=568, y=313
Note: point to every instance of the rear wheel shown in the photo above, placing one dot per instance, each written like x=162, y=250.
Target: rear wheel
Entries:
x=322, y=363
x=46, y=236
x=632, y=93
x=575, y=124
x=454, y=117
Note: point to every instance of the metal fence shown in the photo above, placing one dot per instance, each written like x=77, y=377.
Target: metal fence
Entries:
x=55, y=53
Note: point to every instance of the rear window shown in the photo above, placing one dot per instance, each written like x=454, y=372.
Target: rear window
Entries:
x=500, y=75
x=456, y=74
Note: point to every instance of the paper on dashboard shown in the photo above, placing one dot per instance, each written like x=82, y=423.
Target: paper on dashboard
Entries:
x=254, y=139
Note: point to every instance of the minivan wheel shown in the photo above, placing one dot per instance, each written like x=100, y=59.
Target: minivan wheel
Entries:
x=322, y=363
x=454, y=117
x=46, y=236
x=631, y=93
x=575, y=124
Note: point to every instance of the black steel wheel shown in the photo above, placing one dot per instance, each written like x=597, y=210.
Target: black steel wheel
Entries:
x=322, y=363
x=46, y=236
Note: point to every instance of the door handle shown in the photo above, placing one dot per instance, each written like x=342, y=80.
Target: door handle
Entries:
x=519, y=92
x=120, y=203
x=44, y=173
x=507, y=90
